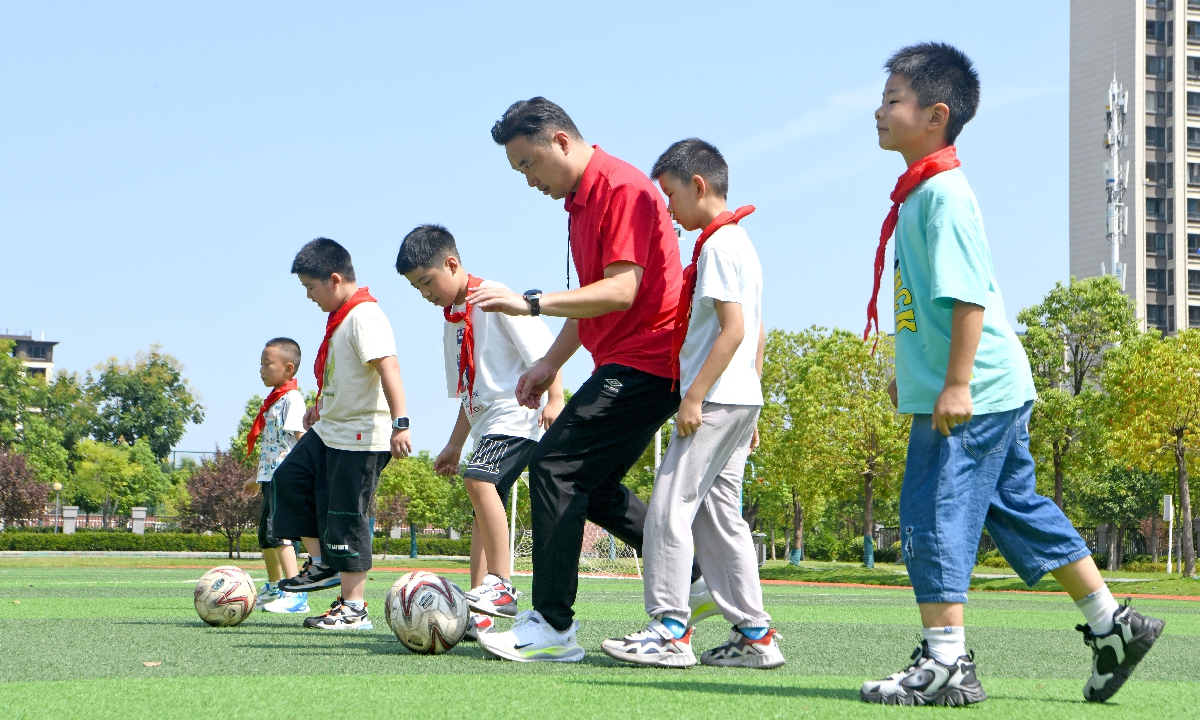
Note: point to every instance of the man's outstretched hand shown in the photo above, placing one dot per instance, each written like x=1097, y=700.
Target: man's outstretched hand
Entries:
x=534, y=383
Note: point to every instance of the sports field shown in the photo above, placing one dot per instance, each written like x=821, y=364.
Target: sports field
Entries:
x=76, y=637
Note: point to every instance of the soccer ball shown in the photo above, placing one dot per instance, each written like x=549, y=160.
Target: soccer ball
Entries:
x=225, y=596
x=428, y=613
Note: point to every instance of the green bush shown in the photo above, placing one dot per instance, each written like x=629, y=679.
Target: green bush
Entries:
x=118, y=541
x=427, y=546
x=992, y=559
x=822, y=547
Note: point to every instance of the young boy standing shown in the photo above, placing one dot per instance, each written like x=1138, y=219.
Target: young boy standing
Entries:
x=962, y=373
x=325, y=486
x=276, y=428
x=718, y=353
x=485, y=353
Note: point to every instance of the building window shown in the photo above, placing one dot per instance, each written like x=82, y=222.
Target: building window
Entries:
x=37, y=352
x=1193, y=31
x=1156, y=102
x=1193, y=173
x=1156, y=30
x=1156, y=316
x=1194, y=316
x=1156, y=279
x=1160, y=173
x=1159, y=66
x=1193, y=284
x=1156, y=137
x=1193, y=99
x=1161, y=245
x=1193, y=68
x=1156, y=209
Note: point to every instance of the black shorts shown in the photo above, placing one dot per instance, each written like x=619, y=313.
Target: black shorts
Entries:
x=326, y=493
x=500, y=460
x=267, y=539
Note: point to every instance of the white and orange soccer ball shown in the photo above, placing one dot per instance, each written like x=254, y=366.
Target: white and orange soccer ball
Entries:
x=225, y=596
x=428, y=613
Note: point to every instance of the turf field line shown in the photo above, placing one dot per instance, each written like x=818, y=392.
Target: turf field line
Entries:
x=879, y=587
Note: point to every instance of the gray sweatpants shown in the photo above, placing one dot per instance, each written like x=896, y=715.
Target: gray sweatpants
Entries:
x=694, y=509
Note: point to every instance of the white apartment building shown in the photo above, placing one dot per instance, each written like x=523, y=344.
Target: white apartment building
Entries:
x=1154, y=48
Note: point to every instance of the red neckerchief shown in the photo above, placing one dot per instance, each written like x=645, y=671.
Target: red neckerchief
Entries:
x=259, y=420
x=917, y=173
x=336, y=317
x=684, y=310
x=466, y=355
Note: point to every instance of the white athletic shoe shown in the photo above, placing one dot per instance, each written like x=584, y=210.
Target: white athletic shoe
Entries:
x=532, y=639
x=656, y=645
x=741, y=651
x=288, y=603
x=479, y=625
x=269, y=592
x=701, y=603
x=493, y=597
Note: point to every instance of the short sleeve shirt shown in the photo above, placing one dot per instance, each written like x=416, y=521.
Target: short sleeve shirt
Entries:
x=727, y=270
x=617, y=215
x=282, y=421
x=505, y=347
x=942, y=255
x=354, y=411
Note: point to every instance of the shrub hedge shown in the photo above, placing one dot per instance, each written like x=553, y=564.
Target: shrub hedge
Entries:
x=108, y=540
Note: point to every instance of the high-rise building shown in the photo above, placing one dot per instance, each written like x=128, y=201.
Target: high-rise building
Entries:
x=36, y=355
x=1153, y=49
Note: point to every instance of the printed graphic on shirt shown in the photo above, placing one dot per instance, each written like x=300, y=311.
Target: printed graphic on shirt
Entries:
x=905, y=317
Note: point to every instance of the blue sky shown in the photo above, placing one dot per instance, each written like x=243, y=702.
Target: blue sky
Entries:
x=162, y=163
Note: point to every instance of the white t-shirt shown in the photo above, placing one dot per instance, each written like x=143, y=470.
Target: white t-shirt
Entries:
x=505, y=347
x=283, y=420
x=728, y=270
x=354, y=411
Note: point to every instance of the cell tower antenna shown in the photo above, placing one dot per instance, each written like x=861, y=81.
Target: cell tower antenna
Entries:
x=1116, y=175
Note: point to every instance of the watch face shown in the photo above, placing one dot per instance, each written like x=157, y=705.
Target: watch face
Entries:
x=532, y=292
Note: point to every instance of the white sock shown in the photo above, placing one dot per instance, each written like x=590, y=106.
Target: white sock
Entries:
x=1098, y=609
x=946, y=644
x=355, y=605
x=316, y=560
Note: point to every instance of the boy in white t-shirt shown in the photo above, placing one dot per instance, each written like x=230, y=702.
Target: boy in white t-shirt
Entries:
x=485, y=353
x=719, y=341
x=279, y=424
x=326, y=484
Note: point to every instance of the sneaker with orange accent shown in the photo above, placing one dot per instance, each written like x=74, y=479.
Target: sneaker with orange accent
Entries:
x=340, y=616
x=656, y=645
x=741, y=651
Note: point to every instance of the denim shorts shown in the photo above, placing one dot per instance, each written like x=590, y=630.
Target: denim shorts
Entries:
x=980, y=476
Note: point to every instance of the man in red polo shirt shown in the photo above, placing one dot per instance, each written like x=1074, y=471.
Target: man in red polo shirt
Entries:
x=627, y=258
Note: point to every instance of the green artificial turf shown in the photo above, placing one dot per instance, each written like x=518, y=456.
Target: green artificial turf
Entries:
x=75, y=645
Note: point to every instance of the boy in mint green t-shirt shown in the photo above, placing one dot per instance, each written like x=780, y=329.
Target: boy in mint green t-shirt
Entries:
x=963, y=374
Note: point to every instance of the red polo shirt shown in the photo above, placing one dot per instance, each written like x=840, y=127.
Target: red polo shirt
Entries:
x=617, y=215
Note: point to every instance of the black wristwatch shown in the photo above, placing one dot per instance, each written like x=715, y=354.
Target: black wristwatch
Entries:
x=400, y=423
x=534, y=298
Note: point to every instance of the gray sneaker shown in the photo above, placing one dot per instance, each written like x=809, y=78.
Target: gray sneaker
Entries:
x=927, y=682
x=741, y=651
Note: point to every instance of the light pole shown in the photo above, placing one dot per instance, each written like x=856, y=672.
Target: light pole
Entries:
x=57, y=497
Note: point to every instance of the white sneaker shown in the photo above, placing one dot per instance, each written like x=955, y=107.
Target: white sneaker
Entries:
x=656, y=645
x=493, y=597
x=478, y=625
x=701, y=603
x=532, y=639
x=741, y=651
x=288, y=603
x=269, y=592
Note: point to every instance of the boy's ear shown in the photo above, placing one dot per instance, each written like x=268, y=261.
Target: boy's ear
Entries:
x=700, y=185
x=335, y=279
x=452, y=264
x=939, y=116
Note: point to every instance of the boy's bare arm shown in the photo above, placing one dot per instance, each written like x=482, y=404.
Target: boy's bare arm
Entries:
x=761, y=353
x=733, y=331
x=953, y=406
x=554, y=403
x=446, y=462
x=393, y=389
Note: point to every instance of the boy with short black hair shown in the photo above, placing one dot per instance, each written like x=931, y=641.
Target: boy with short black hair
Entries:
x=963, y=374
x=485, y=354
x=326, y=484
x=718, y=352
x=275, y=430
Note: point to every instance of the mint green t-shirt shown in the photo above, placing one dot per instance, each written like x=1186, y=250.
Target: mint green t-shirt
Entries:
x=942, y=255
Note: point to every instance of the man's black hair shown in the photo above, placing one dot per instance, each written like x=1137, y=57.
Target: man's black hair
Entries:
x=940, y=73
x=536, y=118
x=427, y=246
x=691, y=157
x=321, y=258
x=289, y=347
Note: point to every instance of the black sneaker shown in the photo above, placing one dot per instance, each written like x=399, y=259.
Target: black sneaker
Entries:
x=928, y=682
x=340, y=616
x=1116, y=653
x=312, y=577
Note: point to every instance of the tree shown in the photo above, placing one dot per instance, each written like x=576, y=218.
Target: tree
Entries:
x=23, y=428
x=218, y=503
x=1153, y=407
x=109, y=478
x=1122, y=498
x=1066, y=336
x=413, y=478
x=68, y=406
x=390, y=512
x=237, y=443
x=146, y=398
x=22, y=495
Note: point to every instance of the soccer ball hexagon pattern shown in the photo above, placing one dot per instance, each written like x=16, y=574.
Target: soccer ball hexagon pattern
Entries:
x=428, y=613
x=225, y=596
